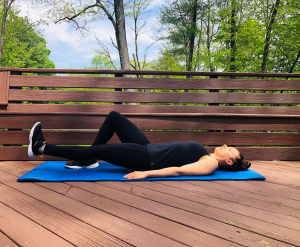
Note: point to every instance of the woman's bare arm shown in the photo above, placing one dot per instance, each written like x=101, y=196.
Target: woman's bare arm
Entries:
x=203, y=167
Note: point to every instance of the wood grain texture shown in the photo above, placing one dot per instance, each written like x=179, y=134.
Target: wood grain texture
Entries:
x=63, y=225
x=25, y=232
x=150, y=72
x=282, y=164
x=198, y=204
x=204, y=138
x=29, y=165
x=4, y=85
x=291, y=179
x=169, y=228
x=258, y=198
x=278, y=194
x=198, y=222
x=156, y=110
x=199, y=207
x=5, y=241
x=152, y=83
x=13, y=121
x=152, y=97
x=126, y=231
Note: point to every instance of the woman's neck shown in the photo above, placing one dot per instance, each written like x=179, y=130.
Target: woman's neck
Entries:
x=215, y=157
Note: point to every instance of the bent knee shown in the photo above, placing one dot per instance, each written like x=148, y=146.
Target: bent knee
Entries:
x=113, y=114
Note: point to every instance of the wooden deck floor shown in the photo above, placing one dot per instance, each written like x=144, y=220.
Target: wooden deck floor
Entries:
x=201, y=213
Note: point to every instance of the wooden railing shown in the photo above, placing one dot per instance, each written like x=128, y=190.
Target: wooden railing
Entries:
x=259, y=132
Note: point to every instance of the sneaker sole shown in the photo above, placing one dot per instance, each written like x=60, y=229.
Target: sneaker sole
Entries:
x=83, y=167
x=30, y=152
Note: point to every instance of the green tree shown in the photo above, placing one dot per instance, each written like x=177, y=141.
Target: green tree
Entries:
x=5, y=7
x=239, y=42
x=285, y=43
x=191, y=27
x=179, y=19
x=23, y=45
x=257, y=35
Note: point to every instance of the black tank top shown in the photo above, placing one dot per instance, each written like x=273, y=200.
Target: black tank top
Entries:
x=174, y=154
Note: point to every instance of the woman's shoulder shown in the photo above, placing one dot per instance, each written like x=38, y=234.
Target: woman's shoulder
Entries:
x=205, y=157
x=209, y=160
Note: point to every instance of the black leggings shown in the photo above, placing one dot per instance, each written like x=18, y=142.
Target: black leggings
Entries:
x=132, y=153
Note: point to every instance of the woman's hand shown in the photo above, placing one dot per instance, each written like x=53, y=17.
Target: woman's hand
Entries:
x=136, y=175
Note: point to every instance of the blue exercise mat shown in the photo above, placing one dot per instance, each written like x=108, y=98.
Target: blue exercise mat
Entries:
x=55, y=171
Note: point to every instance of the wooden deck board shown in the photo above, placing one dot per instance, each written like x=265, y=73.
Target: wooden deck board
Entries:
x=163, y=205
x=222, y=211
x=142, y=217
x=69, y=228
x=25, y=232
x=190, y=213
x=126, y=231
x=5, y=241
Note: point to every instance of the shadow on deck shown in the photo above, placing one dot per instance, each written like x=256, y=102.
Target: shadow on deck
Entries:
x=166, y=213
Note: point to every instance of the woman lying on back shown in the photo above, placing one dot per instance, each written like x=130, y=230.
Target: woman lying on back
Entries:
x=136, y=153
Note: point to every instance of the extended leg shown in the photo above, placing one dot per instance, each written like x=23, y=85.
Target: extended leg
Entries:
x=130, y=155
x=133, y=155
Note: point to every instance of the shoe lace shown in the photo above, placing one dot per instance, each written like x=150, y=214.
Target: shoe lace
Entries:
x=39, y=135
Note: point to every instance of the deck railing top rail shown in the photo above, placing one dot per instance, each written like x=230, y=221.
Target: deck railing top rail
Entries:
x=149, y=72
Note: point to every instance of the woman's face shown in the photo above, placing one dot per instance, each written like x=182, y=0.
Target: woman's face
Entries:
x=227, y=153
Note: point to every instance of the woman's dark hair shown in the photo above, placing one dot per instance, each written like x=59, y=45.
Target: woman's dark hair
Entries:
x=239, y=164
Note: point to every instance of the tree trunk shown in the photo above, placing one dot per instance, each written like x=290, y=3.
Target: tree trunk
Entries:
x=208, y=39
x=198, y=46
x=233, y=36
x=268, y=36
x=294, y=63
x=192, y=35
x=5, y=10
x=121, y=35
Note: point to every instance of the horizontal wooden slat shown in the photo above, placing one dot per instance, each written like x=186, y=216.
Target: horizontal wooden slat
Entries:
x=147, y=97
x=155, y=110
x=152, y=122
x=250, y=153
x=149, y=72
x=152, y=83
x=205, y=138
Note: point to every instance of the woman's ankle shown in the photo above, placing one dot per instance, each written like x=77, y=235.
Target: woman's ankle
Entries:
x=42, y=148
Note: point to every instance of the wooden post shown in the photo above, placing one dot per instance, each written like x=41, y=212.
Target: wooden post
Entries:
x=17, y=73
x=118, y=89
x=4, y=86
x=213, y=91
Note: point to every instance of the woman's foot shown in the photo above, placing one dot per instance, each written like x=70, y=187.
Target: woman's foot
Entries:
x=82, y=164
x=36, y=140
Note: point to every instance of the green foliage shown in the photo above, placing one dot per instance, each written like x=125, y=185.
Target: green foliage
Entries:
x=100, y=61
x=169, y=59
x=23, y=47
x=216, y=32
x=136, y=8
